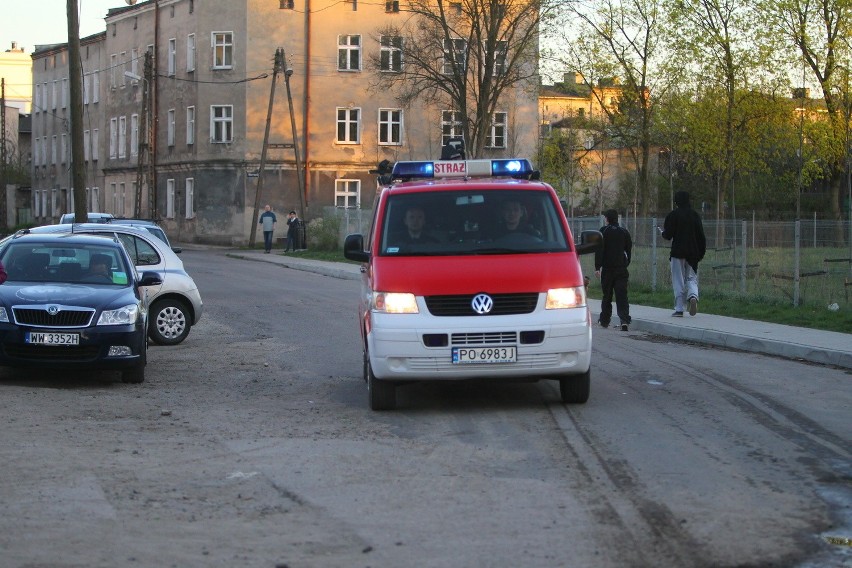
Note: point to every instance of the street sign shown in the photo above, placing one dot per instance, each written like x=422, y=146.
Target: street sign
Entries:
x=253, y=174
x=280, y=146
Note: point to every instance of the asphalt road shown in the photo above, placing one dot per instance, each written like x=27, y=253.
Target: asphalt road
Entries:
x=251, y=444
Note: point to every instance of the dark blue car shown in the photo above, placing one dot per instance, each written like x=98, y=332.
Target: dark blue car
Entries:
x=73, y=302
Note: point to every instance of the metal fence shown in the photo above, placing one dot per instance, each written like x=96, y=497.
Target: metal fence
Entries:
x=797, y=262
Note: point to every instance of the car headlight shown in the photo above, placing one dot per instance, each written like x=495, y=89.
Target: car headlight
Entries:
x=4, y=317
x=395, y=303
x=120, y=316
x=562, y=298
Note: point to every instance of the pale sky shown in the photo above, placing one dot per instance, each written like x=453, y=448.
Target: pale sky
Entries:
x=40, y=22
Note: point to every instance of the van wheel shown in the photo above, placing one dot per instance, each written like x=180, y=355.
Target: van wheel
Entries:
x=575, y=388
x=382, y=394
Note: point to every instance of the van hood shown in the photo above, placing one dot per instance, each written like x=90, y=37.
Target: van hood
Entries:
x=495, y=274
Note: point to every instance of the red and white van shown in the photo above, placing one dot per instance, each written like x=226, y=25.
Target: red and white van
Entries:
x=491, y=287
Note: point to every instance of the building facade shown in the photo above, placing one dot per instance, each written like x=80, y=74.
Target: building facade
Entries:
x=192, y=126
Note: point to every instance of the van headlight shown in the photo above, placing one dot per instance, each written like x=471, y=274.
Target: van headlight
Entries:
x=395, y=303
x=562, y=298
x=120, y=316
x=4, y=316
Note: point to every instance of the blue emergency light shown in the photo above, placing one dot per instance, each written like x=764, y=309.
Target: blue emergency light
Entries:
x=412, y=170
x=520, y=168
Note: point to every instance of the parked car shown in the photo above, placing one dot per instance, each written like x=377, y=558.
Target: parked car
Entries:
x=150, y=226
x=93, y=217
x=55, y=311
x=176, y=302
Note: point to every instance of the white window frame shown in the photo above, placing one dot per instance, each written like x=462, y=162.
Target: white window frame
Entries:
x=190, y=53
x=498, y=130
x=223, y=49
x=63, y=148
x=54, y=95
x=347, y=118
x=349, y=52
x=86, y=81
x=390, y=126
x=455, y=50
x=170, y=128
x=134, y=135
x=347, y=189
x=190, y=125
x=189, y=198
x=451, y=125
x=87, y=146
x=171, y=56
x=113, y=138
x=54, y=202
x=37, y=98
x=170, y=199
x=96, y=86
x=53, y=149
x=96, y=148
x=64, y=93
x=218, y=122
x=122, y=137
x=390, y=56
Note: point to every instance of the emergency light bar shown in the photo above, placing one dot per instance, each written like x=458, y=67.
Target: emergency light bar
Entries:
x=516, y=168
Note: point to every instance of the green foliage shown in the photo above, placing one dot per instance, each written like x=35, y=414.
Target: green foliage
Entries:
x=323, y=234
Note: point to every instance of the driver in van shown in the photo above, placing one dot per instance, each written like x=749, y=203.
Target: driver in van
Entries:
x=513, y=220
x=415, y=224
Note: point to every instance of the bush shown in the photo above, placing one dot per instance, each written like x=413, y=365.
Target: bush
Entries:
x=323, y=234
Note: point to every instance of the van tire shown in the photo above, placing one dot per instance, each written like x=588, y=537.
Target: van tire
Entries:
x=575, y=389
x=381, y=394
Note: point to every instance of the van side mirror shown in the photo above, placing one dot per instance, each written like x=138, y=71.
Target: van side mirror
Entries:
x=353, y=248
x=590, y=242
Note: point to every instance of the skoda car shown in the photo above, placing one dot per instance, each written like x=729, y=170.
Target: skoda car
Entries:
x=176, y=302
x=73, y=302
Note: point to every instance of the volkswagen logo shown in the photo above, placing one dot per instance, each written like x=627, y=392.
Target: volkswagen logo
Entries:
x=482, y=304
x=53, y=309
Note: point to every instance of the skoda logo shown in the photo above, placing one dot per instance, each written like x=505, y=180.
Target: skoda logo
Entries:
x=482, y=304
x=53, y=309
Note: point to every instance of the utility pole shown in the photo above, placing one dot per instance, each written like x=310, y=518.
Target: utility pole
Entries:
x=75, y=80
x=143, y=173
x=287, y=74
x=3, y=220
x=279, y=60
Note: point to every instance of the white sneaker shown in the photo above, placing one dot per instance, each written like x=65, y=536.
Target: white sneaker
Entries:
x=693, y=306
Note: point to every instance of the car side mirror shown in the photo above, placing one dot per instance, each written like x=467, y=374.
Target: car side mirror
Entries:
x=353, y=248
x=150, y=278
x=590, y=242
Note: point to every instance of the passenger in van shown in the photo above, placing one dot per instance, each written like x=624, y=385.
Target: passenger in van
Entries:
x=415, y=228
x=513, y=220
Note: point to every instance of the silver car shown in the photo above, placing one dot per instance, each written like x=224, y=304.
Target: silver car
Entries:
x=175, y=305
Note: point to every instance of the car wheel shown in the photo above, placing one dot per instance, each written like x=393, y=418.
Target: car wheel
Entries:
x=575, y=388
x=168, y=325
x=382, y=394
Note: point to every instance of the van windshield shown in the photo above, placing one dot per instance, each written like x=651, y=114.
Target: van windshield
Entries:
x=472, y=222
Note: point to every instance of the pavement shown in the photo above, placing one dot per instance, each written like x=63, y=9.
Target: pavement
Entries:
x=823, y=347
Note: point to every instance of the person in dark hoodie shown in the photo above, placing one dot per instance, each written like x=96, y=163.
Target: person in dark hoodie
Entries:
x=684, y=229
x=611, y=262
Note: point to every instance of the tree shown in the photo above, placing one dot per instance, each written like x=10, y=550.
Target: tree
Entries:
x=464, y=56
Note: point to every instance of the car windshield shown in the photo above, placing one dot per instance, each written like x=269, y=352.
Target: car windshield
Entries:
x=471, y=223
x=64, y=262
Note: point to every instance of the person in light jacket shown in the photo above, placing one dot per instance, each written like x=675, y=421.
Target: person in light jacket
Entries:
x=268, y=220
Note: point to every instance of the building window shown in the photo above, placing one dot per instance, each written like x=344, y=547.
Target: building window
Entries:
x=190, y=53
x=113, y=70
x=134, y=60
x=190, y=198
x=122, y=68
x=349, y=53
x=114, y=192
x=95, y=145
x=54, y=94
x=122, y=199
x=96, y=86
x=85, y=90
x=113, y=137
x=348, y=125
x=54, y=202
x=64, y=93
x=53, y=150
x=347, y=193
x=134, y=135
x=391, y=54
x=451, y=126
x=285, y=4
x=497, y=134
x=455, y=55
x=172, y=56
x=223, y=50
x=392, y=6
x=37, y=97
x=170, y=199
x=501, y=51
x=95, y=197
x=63, y=148
x=390, y=126
x=221, y=124
x=122, y=137
x=170, y=128
x=190, y=126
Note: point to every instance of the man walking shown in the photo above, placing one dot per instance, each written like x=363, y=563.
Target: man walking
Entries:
x=611, y=262
x=268, y=220
x=684, y=229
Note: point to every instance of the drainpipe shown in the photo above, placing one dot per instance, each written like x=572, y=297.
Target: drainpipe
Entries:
x=306, y=104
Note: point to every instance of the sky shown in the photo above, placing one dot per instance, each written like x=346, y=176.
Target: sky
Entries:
x=40, y=22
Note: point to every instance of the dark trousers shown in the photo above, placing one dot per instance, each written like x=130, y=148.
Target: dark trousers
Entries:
x=267, y=240
x=291, y=242
x=614, y=280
